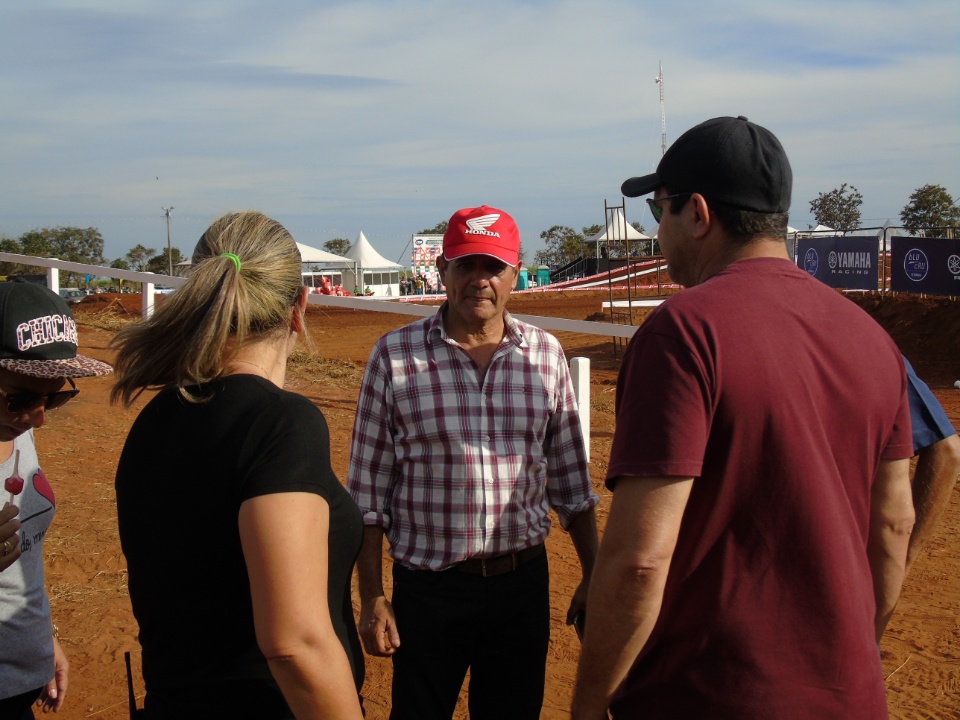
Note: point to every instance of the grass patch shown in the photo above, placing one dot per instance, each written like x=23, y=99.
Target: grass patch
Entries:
x=113, y=317
x=310, y=366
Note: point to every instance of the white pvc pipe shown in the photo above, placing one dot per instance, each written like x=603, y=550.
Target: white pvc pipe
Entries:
x=580, y=373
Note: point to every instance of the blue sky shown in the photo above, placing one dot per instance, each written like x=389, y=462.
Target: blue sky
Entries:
x=385, y=117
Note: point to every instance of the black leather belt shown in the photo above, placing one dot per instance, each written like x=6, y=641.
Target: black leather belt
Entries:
x=500, y=565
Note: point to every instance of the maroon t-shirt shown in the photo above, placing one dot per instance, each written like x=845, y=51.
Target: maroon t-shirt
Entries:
x=780, y=397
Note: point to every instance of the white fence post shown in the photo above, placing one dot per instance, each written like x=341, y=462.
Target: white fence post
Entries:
x=53, y=279
x=147, y=299
x=580, y=373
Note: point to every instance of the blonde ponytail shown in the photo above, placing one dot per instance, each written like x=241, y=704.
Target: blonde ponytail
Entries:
x=244, y=281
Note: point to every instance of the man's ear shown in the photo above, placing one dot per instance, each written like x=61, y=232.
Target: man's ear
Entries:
x=700, y=218
x=441, y=266
x=516, y=274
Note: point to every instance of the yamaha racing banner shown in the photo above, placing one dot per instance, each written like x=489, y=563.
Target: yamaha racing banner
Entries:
x=925, y=265
x=847, y=262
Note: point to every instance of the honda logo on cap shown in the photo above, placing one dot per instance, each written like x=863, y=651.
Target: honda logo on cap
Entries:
x=479, y=225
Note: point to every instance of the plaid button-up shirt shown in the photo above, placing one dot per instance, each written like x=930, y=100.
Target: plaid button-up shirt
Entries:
x=453, y=465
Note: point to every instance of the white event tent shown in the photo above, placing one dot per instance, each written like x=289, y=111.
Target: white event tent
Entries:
x=307, y=255
x=616, y=231
x=335, y=265
x=371, y=271
x=313, y=255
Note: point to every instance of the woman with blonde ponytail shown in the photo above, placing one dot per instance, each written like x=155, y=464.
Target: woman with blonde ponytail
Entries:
x=240, y=541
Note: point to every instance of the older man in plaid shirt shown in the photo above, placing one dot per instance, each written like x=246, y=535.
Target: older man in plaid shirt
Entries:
x=466, y=436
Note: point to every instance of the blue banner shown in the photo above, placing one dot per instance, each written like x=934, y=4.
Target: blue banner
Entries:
x=847, y=262
x=925, y=265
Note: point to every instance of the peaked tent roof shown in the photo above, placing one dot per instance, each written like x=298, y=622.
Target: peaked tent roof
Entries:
x=617, y=229
x=363, y=254
x=825, y=229
x=307, y=255
x=313, y=255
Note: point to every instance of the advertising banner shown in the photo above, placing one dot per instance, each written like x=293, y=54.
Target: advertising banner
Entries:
x=847, y=262
x=423, y=260
x=925, y=265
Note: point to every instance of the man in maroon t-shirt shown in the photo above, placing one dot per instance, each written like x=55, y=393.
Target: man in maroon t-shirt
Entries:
x=758, y=532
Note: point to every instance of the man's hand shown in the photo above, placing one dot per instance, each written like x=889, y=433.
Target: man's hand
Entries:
x=583, y=532
x=378, y=627
x=53, y=693
x=579, y=601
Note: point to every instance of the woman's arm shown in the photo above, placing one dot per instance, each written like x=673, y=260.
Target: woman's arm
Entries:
x=53, y=693
x=284, y=539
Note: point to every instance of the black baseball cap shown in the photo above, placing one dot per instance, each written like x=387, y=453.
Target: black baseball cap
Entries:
x=38, y=335
x=726, y=159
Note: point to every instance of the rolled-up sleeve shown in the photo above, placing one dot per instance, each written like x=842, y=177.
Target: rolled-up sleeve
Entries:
x=372, y=470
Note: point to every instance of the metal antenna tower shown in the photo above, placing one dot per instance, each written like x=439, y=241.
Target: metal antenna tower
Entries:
x=663, y=117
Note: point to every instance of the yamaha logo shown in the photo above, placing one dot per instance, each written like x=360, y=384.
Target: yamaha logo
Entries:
x=953, y=265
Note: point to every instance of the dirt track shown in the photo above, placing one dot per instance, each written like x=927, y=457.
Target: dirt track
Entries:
x=86, y=572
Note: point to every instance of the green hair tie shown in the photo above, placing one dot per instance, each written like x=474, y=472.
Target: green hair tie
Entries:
x=236, y=260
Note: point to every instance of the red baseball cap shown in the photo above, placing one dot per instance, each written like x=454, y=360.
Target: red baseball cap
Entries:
x=482, y=230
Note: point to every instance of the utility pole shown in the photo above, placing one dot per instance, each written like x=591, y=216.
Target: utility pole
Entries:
x=663, y=117
x=169, y=249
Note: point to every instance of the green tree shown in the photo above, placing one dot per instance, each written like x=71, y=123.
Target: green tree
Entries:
x=439, y=229
x=120, y=264
x=839, y=208
x=158, y=263
x=338, y=246
x=563, y=245
x=930, y=208
x=83, y=245
x=9, y=245
x=139, y=256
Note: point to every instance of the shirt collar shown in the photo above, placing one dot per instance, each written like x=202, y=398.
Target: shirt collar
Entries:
x=513, y=332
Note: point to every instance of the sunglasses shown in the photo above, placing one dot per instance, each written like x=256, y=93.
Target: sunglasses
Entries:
x=656, y=210
x=24, y=401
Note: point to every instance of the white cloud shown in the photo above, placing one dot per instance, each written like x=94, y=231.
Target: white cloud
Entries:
x=386, y=117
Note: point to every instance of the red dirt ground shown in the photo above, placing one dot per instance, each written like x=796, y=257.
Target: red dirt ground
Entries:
x=86, y=573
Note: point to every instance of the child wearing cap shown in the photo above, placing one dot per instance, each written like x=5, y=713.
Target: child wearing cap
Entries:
x=38, y=357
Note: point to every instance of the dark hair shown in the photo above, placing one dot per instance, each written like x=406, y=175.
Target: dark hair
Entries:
x=743, y=226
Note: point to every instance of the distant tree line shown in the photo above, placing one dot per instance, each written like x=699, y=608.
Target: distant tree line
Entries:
x=931, y=210
x=81, y=245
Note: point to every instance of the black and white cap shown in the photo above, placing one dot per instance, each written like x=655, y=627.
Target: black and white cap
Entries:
x=38, y=335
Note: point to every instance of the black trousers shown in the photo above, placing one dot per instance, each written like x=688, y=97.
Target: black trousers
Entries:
x=498, y=627
x=19, y=707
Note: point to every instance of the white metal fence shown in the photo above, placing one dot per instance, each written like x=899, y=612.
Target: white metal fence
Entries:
x=579, y=366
